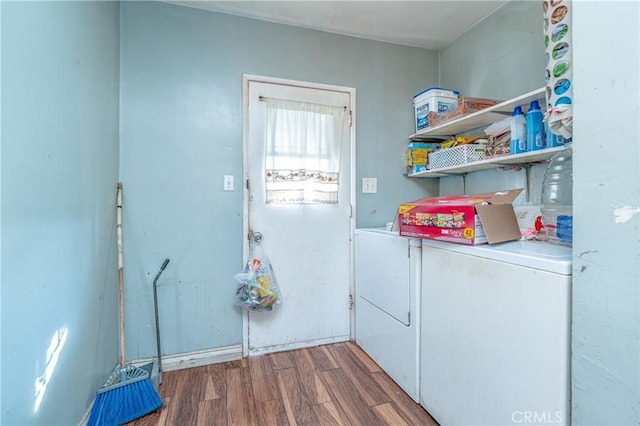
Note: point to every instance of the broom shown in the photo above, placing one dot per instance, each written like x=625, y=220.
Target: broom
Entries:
x=128, y=393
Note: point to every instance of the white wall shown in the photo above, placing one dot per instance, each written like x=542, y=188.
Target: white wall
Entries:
x=606, y=248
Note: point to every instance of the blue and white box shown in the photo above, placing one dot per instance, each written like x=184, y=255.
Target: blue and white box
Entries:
x=433, y=99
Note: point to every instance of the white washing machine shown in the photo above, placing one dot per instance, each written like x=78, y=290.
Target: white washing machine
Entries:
x=496, y=326
x=388, y=277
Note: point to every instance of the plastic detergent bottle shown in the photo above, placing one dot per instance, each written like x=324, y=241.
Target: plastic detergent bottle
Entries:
x=535, y=128
x=557, y=198
x=554, y=140
x=518, y=132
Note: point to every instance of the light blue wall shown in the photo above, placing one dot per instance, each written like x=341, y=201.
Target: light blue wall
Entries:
x=500, y=58
x=606, y=249
x=181, y=131
x=497, y=58
x=59, y=175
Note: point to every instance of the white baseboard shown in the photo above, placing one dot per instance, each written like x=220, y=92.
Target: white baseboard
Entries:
x=197, y=358
x=298, y=345
x=85, y=419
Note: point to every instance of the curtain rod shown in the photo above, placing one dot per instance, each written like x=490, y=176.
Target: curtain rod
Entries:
x=264, y=98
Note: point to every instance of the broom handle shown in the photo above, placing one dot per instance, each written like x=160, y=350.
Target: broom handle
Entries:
x=120, y=273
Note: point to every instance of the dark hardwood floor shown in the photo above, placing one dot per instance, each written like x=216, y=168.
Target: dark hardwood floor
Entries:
x=335, y=384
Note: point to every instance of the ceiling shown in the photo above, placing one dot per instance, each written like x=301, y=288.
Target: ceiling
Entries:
x=429, y=24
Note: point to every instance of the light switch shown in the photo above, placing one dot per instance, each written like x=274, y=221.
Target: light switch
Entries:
x=369, y=185
x=228, y=182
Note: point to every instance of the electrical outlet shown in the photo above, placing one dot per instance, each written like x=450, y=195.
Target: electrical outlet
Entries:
x=228, y=182
x=369, y=185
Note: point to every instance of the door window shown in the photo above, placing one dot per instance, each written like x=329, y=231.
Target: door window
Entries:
x=302, y=155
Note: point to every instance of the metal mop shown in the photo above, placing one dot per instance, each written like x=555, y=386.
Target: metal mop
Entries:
x=128, y=392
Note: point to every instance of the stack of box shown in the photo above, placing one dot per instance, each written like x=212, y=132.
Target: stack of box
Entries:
x=435, y=106
x=433, y=99
x=418, y=156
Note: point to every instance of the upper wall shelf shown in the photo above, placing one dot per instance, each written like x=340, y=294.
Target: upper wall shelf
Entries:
x=481, y=118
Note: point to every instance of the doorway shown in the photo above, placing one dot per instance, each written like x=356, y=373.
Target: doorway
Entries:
x=308, y=243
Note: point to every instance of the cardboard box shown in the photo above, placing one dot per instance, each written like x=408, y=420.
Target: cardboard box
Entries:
x=464, y=107
x=466, y=219
x=416, y=168
x=417, y=155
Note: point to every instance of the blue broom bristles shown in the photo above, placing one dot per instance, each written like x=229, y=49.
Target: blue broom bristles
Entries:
x=132, y=396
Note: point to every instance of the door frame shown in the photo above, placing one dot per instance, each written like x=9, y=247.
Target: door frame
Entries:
x=246, y=79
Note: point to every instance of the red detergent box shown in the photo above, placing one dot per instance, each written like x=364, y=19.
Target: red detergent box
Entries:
x=464, y=219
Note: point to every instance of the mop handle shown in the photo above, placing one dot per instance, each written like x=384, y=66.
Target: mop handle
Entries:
x=155, y=305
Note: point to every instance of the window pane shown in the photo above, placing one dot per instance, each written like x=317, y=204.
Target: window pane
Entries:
x=303, y=146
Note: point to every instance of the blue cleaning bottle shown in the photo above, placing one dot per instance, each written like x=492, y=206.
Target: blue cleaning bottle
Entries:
x=535, y=128
x=518, y=132
x=554, y=140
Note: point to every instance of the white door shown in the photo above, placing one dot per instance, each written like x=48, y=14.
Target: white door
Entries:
x=309, y=245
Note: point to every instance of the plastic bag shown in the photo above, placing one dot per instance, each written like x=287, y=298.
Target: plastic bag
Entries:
x=258, y=288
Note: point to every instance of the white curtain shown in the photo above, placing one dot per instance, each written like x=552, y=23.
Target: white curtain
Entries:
x=302, y=155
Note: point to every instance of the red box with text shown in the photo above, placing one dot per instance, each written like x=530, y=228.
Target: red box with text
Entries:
x=465, y=219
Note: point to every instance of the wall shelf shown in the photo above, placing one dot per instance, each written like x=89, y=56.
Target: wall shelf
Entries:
x=481, y=118
x=491, y=163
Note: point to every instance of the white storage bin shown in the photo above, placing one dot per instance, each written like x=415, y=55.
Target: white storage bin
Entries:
x=434, y=99
x=456, y=156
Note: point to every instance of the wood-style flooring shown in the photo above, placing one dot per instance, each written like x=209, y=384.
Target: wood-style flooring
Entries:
x=335, y=384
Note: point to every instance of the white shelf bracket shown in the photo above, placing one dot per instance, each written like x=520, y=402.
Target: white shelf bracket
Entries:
x=527, y=179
